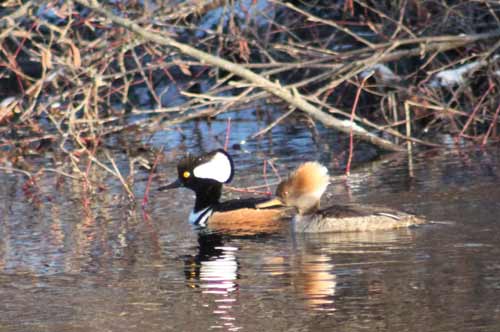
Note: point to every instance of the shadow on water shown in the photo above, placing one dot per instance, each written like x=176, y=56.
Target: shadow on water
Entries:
x=69, y=267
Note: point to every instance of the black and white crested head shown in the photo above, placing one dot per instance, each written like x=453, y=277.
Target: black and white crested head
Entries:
x=205, y=175
x=216, y=165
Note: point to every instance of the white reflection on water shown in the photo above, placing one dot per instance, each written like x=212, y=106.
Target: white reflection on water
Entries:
x=218, y=276
x=215, y=270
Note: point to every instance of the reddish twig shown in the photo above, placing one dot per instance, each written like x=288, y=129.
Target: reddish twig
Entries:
x=30, y=189
x=264, y=173
x=145, y=199
x=248, y=190
x=349, y=7
x=351, y=136
x=492, y=124
x=476, y=109
x=275, y=170
x=228, y=133
x=86, y=182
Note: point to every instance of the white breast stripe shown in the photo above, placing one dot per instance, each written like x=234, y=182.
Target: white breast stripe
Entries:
x=218, y=168
x=390, y=215
x=200, y=217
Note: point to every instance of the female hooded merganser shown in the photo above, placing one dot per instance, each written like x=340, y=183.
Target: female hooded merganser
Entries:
x=303, y=190
x=205, y=175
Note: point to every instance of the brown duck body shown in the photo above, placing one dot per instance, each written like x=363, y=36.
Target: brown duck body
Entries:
x=353, y=218
x=241, y=217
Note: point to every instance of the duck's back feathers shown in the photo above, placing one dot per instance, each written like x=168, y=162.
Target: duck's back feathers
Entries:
x=354, y=218
x=356, y=210
x=242, y=203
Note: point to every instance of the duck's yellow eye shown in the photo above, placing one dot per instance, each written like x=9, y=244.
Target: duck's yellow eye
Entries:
x=186, y=174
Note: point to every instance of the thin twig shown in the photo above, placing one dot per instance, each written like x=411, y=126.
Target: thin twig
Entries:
x=145, y=198
x=351, y=138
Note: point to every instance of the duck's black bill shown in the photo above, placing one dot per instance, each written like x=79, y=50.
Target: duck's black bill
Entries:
x=176, y=184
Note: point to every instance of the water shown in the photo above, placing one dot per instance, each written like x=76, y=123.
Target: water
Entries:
x=108, y=266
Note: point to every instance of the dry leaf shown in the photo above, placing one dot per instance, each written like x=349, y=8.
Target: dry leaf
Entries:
x=77, y=59
x=184, y=68
x=46, y=59
x=7, y=108
x=244, y=50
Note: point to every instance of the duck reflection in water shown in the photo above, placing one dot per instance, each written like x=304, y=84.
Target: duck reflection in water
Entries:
x=215, y=270
x=317, y=281
x=336, y=268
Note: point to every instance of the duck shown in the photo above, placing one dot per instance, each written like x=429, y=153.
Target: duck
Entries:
x=303, y=190
x=205, y=175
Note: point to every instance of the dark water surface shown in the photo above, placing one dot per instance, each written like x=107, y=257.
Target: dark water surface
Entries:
x=65, y=267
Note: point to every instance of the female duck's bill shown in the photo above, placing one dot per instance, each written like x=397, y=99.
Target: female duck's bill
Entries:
x=303, y=190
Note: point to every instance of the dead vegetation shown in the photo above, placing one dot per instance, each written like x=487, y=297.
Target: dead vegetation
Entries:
x=387, y=72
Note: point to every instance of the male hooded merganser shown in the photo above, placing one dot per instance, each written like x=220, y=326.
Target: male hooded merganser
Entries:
x=205, y=175
x=303, y=190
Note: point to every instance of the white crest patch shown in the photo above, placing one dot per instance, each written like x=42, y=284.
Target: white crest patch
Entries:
x=219, y=168
x=200, y=217
x=321, y=169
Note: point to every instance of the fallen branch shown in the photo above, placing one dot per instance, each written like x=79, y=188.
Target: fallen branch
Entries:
x=292, y=97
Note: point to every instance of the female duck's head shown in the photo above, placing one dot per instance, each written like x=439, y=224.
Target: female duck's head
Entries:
x=303, y=188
